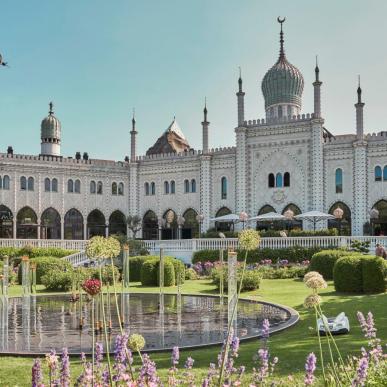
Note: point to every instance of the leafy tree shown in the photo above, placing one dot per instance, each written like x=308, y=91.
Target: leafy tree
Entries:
x=134, y=223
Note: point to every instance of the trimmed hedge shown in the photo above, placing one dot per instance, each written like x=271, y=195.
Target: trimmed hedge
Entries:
x=292, y=254
x=34, y=252
x=324, y=261
x=57, y=280
x=359, y=274
x=135, y=265
x=373, y=270
x=172, y=268
x=45, y=264
x=251, y=279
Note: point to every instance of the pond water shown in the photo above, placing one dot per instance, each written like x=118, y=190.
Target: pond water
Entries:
x=37, y=324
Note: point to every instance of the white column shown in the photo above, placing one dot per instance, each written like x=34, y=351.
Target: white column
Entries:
x=316, y=193
x=240, y=173
x=205, y=191
x=133, y=190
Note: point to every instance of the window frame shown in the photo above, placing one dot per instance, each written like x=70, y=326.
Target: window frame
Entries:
x=339, y=180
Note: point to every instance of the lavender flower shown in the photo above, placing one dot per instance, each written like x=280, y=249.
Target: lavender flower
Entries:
x=361, y=373
x=234, y=346
x=265, y=329
x=121, y=355
x=189, y=363
x=98, y=353
x=310, y=367
x=36, y=374
x=175, y=356
x=65, y=370
x=148, y=373
x=263, y=355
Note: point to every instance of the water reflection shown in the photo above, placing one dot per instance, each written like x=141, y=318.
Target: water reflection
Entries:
x=36, y=324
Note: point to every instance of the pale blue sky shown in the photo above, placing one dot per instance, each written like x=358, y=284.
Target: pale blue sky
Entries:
x=98, y=59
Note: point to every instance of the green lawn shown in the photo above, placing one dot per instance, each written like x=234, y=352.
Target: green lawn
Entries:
x=291, y=346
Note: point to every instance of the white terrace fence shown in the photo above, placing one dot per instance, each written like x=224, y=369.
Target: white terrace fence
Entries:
x=184, y=248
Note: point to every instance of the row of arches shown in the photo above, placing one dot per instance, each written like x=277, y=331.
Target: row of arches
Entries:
x=50, y=226
x=278, y=180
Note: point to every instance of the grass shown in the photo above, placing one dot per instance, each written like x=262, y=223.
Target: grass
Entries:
x=290, y=346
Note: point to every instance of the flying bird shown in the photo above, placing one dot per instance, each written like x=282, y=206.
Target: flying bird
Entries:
x=1, y=61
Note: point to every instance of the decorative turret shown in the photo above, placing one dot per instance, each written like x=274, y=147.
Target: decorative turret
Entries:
x=241, y=101
x=50, y=134
x=133, y=142
x=317, y=92
x=205, y=125
x=282, y=86
x=359, y=114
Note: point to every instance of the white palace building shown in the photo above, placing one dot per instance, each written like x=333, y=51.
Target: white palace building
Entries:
x=286, y=160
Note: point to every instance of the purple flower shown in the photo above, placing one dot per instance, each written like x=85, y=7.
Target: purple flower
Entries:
x=121, y=356
x=65, y=369
x=148, y=373
x=265, y=329
x=175, y=356
x=361, y=373
x=189, y=363
x=263, y=355
x=98, y=353
x=234, y=346
x=310, y=367
x=36, y=374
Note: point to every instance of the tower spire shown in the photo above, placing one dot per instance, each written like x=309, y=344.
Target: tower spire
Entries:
x=317, y=91
x=133, y=120
x=240, y=80
x=359, y=91
x=359, y=113
x=241, y=100
x=205, y=109
x=282, y=50
x=205, y=125
x=317, y=70
x=51, y=108
x=133, y=139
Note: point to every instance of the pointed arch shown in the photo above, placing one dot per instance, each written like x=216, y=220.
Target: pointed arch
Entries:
x=54, y=185
x=380, y=224
x=190, y=228
x=93, y=187
x=378, y=173
x=6, y=222
x=266, y=209
x=6, y=182
x=117, y=223
x=278, y=180
x=343, y=225
x=47, y=184
x=150, y=225
x=170, y=230
x=26, y=224
x=96, y=224
x=121, y=189
x=293, y=223
x=73, y=225
x=271, y=180
x=50, y=222
x=223, y=226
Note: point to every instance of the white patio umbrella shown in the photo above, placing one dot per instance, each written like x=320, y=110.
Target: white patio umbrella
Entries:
x=269, y=217
x=229, y=218
x=314, y=216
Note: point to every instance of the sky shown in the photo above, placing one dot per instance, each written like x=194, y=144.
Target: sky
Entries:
x=97, y=60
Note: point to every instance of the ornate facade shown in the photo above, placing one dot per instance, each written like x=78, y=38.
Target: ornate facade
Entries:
x=287, y=160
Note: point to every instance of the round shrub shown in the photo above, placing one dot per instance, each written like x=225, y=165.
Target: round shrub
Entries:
x=135, y=264
x=169, y=273
x=347, y=274
x=324, y=261
x=57, y=280
x=190, y=274
x=179, y=268
x=44, y=264
x=251, y=279
x=150, y=272
x=373, y=270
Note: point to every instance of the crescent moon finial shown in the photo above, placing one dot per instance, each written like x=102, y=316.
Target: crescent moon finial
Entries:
x=281, y=20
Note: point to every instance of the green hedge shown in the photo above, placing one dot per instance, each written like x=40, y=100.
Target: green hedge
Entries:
x=45, y=264
x=135, y=264
x=57, y=280
x=150, y=272
x=251, y=279
x=360, y=274
x=324, y=261
x=179, y=269
x=292, y=254
x=34, y=252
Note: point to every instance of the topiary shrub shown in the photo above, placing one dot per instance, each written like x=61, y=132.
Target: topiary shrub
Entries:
x=348, y=274
x=190, y=274
x=373, y=270
x=57, y=280
x=324, y=261
x=45, y=264
x=150, y=272
x=251, y=279
x=135, y=264
x=169, y=273
x=179, y=268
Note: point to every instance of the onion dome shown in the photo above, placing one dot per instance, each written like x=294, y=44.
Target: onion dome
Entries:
x=50, y=126
x=283, y=84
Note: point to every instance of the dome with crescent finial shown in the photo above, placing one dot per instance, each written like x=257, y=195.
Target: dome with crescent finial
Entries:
x=50, y=126
x=282, y=85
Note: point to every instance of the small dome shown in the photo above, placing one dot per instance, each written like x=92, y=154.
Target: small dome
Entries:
x=283, y=83
x=50, y=126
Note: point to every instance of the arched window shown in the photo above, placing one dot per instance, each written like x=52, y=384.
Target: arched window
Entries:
x=93, y=187
x=193, y=185
x=99, y=188
x=117, y=223
x=23, y=183
x=186, y=186
x=153, y=188
x=30, y=184
x=286, y=179
x=278, y=180
x=150, y=225
x=223, y=187
x=166, y=188
x=385, y=173
x=96, y=224
x=146, y=188
x=47, y=184
x=70, y=186
x=6, y=182
x=26, y=224
x=173, y=187
x=6, y=222
x=378, y=173
x=73, y=225
x=50, y=224
x=54, y=185
x=121, y=189
x=77, y=186
x=271, y=180
x=339, y=180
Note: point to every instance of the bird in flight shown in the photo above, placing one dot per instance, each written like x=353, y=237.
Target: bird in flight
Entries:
x=3, y=63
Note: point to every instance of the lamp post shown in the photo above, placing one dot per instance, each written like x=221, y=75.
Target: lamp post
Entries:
x=199, y=219
x=374, y=215
x=289, y=215
x=338, y=214
x=243, y=218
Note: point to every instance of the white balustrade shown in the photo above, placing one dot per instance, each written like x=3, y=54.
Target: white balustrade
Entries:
x=45, y=243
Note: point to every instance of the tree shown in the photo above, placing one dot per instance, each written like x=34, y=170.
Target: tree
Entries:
x=134, y=224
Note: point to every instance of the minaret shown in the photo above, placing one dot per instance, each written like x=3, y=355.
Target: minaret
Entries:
x=133, y=145
x=359, y=114
x=50, y=134
x=317, y=92
x=241, y=101
x=205, y=125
